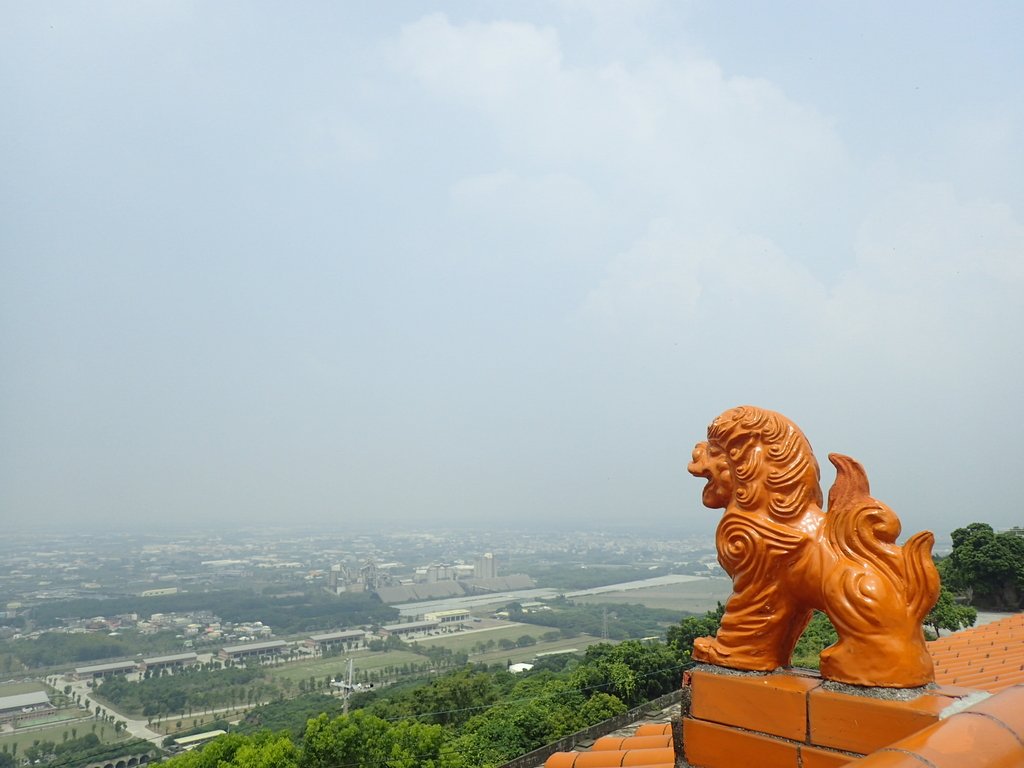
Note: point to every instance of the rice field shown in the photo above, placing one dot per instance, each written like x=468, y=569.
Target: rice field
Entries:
x=364, y=660
x=685, y=597
x=56, y=733
x=530, y=653
x=464, y=641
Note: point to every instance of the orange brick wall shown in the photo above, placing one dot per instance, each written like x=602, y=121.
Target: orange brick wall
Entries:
x=793, y=719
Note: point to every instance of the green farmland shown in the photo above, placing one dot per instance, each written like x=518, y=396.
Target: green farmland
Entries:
x=25, y=737
x=467, y=642
x=464, y=641
x=362, y=661
x=690, y=597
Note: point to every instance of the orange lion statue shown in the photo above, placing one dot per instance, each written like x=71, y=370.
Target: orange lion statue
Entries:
x=788, y=557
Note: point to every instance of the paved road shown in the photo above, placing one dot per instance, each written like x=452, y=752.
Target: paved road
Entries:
x=137, y=728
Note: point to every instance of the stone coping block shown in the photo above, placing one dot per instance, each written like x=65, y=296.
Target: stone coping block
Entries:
x=709, y=745
x=793, y=712
x=862, y=723
x=773, y=703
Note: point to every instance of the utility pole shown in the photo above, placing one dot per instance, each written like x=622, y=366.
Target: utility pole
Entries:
x=348, y=689
x=604, y=624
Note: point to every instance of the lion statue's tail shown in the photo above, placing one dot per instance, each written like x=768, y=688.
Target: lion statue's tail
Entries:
x=876, y=592
x=921, y=572
x=858, y=528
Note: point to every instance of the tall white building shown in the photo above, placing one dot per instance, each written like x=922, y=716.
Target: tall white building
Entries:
x=486, y=567
x=439, y=572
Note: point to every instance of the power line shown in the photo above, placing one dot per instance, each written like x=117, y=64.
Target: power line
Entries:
x=445, y=750
x=399, y=762
x=114, y=750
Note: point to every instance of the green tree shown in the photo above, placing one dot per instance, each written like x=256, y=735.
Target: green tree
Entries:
x=601, y=706
x=218, y=753
x=632, y=671
x=681, y=636
x=362, y=740
x=818, y=636
x=275, y=752
x=987, y=566
x=948, y=614
x=453, y=698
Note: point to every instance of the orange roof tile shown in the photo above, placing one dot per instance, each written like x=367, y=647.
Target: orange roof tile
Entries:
x=990, y=734
x=622, y=743
x=638, y=758
x=989, y=657
x=649, y=747
x=654, y=729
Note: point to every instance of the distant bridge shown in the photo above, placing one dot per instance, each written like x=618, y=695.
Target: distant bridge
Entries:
x=124, y=761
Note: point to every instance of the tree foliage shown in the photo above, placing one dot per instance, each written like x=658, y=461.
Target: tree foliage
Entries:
x=632, y=671
x=362, y=740
x=818, y=636
x=52, y=648
x=288, y=714
x=79, y=751
x=472, y=717
x=948, y=614
x=986, y=566
x=682, y=635
x=261, y=750
x=188, y=689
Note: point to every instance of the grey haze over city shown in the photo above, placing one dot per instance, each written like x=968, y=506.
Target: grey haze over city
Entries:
x=383, y=264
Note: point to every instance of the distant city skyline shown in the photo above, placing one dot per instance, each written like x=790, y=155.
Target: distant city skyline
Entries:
x=401, y=266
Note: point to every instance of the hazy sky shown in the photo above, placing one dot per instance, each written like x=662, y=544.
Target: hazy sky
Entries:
x=372, y=263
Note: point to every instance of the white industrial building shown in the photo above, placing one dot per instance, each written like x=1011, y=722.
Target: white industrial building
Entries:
x=448, y=619
x=252, y=650
x=332, y=639
x=23, y=705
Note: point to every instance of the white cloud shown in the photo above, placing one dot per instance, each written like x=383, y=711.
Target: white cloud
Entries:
x=717, y=176
x=936, y=279
x=674, y=122
x=703, y=169
x=494, y=64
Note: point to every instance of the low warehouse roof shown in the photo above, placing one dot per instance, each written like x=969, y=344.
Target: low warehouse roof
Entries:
x=20, y=700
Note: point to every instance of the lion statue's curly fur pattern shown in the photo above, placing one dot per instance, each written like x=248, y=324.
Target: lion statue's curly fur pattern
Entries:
x=787, y=557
